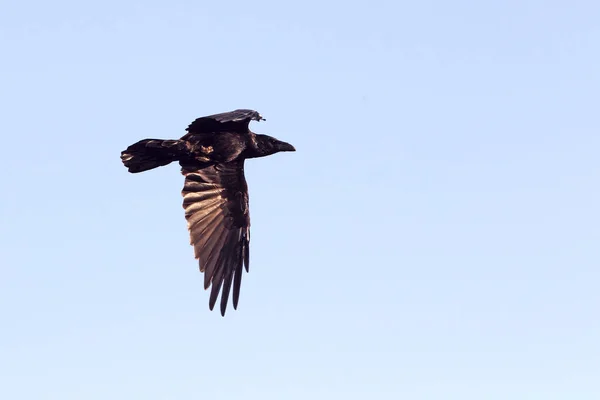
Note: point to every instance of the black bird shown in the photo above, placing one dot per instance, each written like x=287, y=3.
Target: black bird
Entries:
x=215, y=194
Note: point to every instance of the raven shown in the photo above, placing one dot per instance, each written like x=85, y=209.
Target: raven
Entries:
x=215, y=193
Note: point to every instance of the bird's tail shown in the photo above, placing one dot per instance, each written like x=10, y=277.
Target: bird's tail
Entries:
x=151, y=153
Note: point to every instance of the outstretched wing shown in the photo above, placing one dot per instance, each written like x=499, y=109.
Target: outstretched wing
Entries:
x=233, y=121
x=215, y=199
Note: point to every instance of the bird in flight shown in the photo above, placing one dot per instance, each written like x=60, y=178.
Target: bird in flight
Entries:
x=215, y=193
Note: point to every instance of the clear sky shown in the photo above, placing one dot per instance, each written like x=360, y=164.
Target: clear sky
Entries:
x=435, y=236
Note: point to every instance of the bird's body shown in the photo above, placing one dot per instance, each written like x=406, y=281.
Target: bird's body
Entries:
x=215, y=193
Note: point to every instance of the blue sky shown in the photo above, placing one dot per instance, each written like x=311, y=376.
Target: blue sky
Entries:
x=435, y=236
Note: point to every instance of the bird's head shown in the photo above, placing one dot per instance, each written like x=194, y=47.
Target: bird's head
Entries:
x=267, y=145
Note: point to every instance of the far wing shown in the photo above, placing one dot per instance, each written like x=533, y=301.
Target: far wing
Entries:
x=235, y=121
x=215, y=199
x=236, y=115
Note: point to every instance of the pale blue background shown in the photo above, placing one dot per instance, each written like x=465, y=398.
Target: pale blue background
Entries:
x=435, y=236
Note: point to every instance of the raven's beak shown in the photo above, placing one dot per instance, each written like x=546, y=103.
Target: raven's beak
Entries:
x=283, y=146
